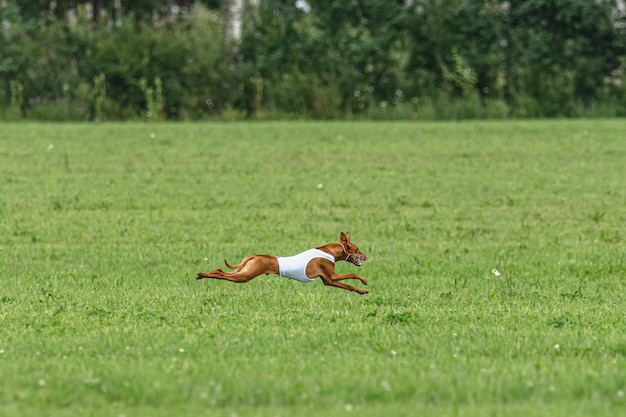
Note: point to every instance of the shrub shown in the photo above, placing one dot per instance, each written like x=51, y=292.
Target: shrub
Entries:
x=62, y=110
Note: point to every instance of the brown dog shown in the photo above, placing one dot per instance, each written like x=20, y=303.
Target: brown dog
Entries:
x=304, y=267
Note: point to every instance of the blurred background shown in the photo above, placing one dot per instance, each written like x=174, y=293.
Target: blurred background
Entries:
x=98, y=60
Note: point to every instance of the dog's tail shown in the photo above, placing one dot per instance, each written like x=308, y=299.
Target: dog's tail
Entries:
x=229, y=265
x=240, y=264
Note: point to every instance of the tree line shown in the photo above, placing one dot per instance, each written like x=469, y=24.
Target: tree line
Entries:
x=324, y=59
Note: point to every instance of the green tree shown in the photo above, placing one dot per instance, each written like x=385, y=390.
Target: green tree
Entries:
x=562, y=51
x=339, y=48
x=444, y=33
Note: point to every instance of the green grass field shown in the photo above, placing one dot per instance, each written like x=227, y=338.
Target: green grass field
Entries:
x=103, y=228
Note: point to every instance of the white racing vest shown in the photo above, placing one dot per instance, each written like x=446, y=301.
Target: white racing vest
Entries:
x=294, y=267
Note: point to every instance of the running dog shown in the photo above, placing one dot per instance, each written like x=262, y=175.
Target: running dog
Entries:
x=304, y=267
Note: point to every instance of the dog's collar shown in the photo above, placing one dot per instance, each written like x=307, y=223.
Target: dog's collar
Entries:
x=345, y=251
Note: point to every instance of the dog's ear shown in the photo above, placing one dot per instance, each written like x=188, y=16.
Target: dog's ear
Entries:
x=344, y=238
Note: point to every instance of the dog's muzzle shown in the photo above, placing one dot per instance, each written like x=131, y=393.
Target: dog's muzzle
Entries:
x=358, y=259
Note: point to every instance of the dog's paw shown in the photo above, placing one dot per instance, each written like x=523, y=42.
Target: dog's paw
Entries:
x=200, y=275
x=363, y=292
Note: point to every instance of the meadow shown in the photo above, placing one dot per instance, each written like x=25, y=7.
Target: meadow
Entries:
x=103, y=228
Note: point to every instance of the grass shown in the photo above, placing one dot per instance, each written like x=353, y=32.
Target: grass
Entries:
x=104, y=226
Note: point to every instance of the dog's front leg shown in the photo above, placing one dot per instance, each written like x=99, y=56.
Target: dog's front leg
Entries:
x=325, y=270
x=330, y=282
x=341, y=277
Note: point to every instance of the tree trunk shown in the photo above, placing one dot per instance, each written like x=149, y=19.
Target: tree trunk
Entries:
x=233, y=19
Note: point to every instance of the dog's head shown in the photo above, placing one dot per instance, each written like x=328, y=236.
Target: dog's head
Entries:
x=351, y=251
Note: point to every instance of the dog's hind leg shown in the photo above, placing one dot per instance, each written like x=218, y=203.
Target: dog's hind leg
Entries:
x=236, y=276
x=251, y=267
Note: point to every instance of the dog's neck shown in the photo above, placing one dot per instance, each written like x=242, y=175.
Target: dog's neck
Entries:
x=337, y=250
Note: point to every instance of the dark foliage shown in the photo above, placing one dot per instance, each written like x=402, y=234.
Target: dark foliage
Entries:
x=435, y=59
